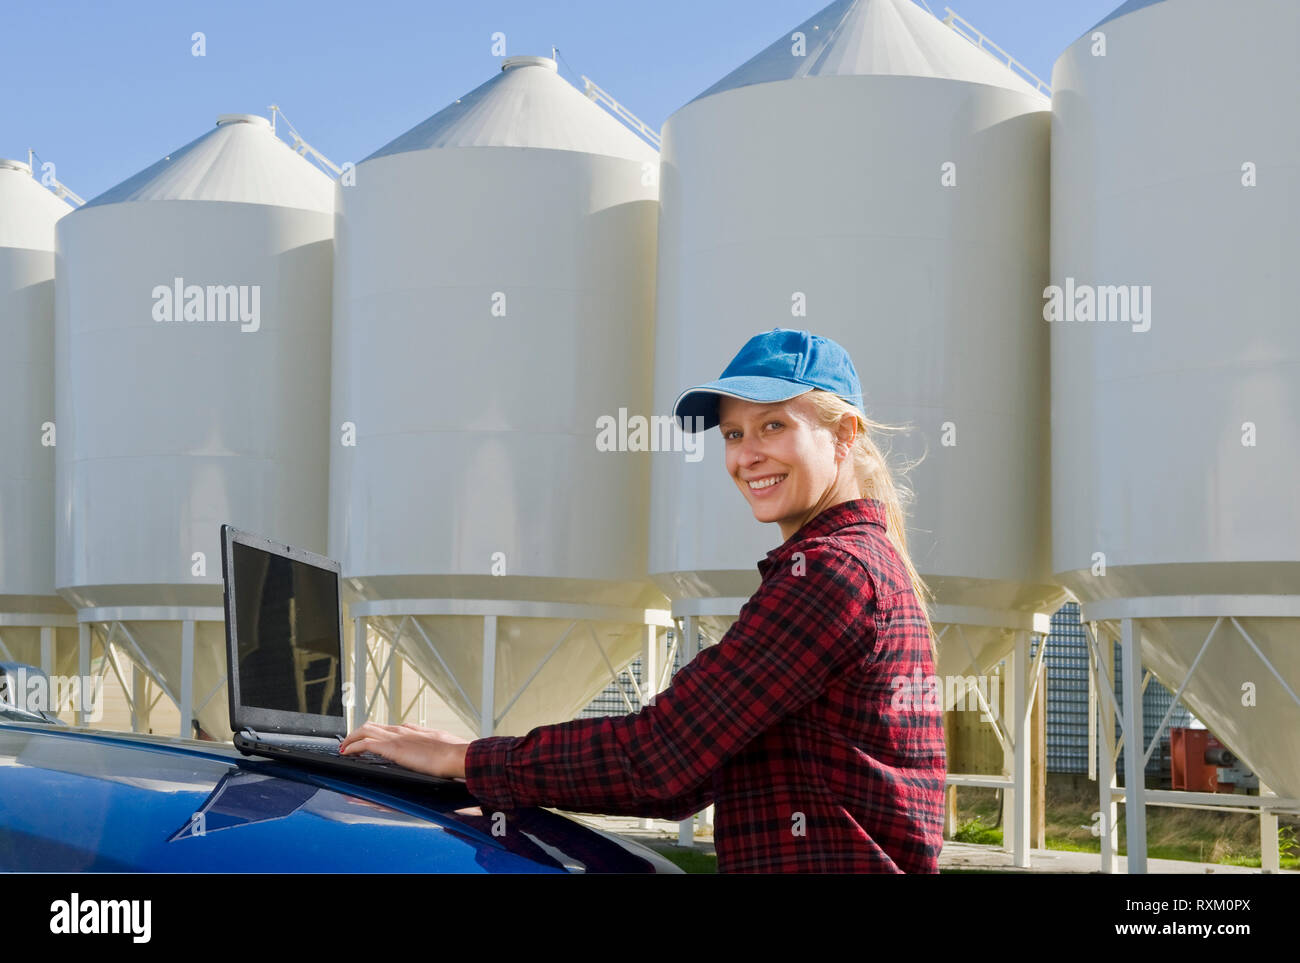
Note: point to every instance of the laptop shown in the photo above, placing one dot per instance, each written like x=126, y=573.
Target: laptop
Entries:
x=284, y=658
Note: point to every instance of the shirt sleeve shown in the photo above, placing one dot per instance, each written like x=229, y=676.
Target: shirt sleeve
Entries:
x=812, y=617
x=488, y=765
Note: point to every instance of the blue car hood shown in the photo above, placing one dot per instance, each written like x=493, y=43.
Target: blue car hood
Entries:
x=75, y=800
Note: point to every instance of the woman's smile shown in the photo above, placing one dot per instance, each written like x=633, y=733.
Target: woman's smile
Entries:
x=764, y=484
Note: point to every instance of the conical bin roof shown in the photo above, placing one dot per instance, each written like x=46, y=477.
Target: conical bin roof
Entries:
x=872, y=37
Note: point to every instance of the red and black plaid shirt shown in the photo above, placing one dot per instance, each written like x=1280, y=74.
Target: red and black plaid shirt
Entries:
x=792, y=725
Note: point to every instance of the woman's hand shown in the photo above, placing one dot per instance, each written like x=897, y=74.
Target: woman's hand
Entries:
x=431, y=751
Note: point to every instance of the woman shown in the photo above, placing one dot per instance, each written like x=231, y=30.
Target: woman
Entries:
x=802, y=725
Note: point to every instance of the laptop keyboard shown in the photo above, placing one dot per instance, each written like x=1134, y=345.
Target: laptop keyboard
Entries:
x=372, y=758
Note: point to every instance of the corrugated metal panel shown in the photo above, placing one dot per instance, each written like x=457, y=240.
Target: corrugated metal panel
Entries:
x=1122, y=10
x=240, y=160
x=1067, y=699
x=527, y=104
x=880, y=37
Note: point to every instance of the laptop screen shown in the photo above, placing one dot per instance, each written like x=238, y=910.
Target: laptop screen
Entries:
x=287, y=631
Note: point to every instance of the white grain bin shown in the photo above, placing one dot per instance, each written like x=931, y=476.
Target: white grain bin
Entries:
x=493, y=301
x=813, y=188
x=1176, y=418
x=193, y=337
x=31, y=611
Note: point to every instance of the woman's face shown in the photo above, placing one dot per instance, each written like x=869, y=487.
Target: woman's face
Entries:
x=784, y=462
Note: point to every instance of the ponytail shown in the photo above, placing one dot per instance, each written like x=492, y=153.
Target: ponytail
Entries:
x=875, y=480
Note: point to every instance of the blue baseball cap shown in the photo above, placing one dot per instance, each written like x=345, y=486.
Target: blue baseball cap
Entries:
x=774, y=366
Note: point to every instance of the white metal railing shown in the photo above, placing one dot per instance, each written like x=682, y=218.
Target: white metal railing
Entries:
x=301, y=147
x=960, y=26
x=59, y=189
x=621, y=112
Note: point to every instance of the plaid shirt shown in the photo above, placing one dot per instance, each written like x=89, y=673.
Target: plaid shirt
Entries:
x=804, y=726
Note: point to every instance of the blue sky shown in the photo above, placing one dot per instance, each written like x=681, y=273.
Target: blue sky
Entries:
x=104, y=89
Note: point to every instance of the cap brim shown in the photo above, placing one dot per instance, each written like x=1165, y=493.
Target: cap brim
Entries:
x=700, y=404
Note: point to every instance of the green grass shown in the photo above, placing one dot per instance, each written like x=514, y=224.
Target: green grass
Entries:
x=1188, y=834
x=690, y=860
x=975, y=830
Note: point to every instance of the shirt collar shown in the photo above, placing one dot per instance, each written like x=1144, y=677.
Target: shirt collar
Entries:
x=858, y=511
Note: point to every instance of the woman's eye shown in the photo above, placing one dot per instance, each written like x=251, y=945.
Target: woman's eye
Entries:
x=735, y=432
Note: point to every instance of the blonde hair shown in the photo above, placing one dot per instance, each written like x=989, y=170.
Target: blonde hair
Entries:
x=875, y=480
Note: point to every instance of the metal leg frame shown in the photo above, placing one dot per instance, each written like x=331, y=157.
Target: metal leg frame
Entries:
x=433, y=649
x=689, y=648
x=1100, y=674
x=1103, y=661
x=1020, y=696
x=651, y=659
x=359, y=708
x=541, y=664
x=1135, y=813
x=1014, y=738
